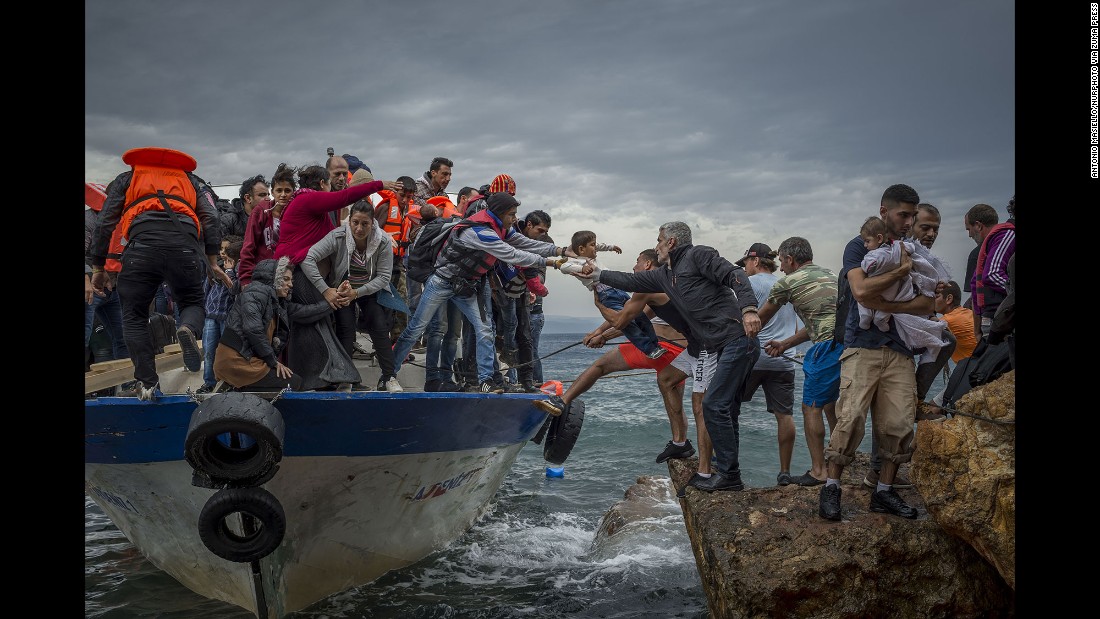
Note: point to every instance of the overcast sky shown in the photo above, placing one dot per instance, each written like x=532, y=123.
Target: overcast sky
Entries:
x=752, y=121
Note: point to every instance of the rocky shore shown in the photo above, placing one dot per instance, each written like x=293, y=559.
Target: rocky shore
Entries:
x=765, y=552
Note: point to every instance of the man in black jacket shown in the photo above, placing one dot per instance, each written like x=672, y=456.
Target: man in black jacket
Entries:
x=698, y=283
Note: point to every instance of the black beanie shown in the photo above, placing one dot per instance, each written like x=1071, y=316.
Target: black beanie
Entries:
x=501, y=202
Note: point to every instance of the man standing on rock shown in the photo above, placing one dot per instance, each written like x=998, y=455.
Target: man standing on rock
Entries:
x=719, y=307
x=876, y=368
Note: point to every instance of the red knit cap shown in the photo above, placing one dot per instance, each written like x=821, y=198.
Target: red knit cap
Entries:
x=503, y=182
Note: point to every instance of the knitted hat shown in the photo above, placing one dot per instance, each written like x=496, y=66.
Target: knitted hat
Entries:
x=501, y=202
x=503, y=182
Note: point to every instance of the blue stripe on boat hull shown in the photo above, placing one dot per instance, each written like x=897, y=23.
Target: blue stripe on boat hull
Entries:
x=126, y=430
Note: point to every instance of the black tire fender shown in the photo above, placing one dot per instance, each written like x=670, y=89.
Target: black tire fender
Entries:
x=562, y=434
x=255, y=534
x=241, y=415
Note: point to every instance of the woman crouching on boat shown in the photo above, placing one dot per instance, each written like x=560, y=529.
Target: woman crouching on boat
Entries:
x=255, y=330
x=350, y=267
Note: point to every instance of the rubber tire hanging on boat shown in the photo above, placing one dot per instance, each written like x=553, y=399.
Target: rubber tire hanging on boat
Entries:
x=244, y=414
x=257, y=506
x=563, y=432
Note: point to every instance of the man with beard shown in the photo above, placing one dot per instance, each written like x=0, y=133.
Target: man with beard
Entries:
x=877, y=370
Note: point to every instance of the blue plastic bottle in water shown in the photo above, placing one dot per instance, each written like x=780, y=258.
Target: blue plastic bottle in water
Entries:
x=555, y=471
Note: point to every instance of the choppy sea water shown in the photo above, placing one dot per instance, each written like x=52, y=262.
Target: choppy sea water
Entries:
x=535, y=553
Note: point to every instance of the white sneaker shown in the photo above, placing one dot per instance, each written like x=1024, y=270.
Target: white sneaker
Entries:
x=393, y=385
x=149, y=394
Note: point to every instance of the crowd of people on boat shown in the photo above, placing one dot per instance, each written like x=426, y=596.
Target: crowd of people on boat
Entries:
x=277, y=283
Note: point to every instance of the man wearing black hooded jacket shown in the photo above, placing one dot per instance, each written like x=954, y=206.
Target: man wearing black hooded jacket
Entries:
x=715, y=298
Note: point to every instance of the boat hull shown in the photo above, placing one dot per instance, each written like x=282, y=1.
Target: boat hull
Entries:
x=369, y=482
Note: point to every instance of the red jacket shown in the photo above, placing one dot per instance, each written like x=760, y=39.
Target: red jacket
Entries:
x=305, y=219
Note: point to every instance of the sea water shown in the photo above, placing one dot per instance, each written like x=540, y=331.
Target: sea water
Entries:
x=535, y=553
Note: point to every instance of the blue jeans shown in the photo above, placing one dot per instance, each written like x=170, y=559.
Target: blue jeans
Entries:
x=438, y=291
x=444, y=331
x=516, y=326
x=640, y=330
x=538, y=321
x=211, y=335
x=722, y=400
x=109, y=310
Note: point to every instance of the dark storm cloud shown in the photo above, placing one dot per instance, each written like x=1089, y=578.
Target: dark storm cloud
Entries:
x=749, y=120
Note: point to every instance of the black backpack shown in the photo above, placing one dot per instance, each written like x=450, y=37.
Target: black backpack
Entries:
x=986, y=364
x=429, y=242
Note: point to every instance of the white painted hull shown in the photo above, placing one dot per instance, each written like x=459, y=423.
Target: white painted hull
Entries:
x=368, y=482
x=349, y=519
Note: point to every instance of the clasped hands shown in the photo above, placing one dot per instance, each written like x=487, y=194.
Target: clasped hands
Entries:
x=341, y=296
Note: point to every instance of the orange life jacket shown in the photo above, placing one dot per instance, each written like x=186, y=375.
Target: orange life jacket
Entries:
x=396, y=225
x=444, y=204
x=95, y=194
x=159, y=183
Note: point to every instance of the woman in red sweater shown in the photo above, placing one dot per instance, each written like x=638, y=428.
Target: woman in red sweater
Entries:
x=305, y=220
x=314, y=353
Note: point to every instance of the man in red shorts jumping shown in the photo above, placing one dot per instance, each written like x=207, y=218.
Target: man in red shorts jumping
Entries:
x=672, y=367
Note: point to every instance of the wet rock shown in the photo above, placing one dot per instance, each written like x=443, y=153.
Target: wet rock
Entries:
x=965, y=467
x=765, y=552
x=650, y=497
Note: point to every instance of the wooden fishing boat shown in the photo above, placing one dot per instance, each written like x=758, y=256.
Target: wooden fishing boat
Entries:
x=275, y=501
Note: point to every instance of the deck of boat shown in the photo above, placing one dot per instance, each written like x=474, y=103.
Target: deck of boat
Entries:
x=174, y=378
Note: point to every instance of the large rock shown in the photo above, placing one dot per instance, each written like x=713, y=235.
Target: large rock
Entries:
x=765, y=552
x=650, y=497
x=965, y=467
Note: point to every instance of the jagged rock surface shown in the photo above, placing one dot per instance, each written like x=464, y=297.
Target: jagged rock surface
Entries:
x=649, y=497
x=966, y=470
x=765, y=552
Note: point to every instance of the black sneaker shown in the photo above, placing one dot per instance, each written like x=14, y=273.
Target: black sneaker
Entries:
x=695, y=479
x=718, y=481
x=205, y=388
x=529, y=387
x=657, y=352
x=485, y=387
x=510, y=387
x=888, y=502
x=555, y=406
x=432, y=385
x=449, y=386
x=192, y=358
x=783, y=479
x=673, y=450
x=828, y=506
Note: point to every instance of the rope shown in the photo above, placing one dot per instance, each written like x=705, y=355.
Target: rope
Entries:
x=642, y=373
x=1004, y=422
x=518, y=365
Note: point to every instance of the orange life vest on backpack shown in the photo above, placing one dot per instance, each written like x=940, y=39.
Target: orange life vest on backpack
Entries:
x=159, y=183
x=396, y=225
x=444, y=204
x=95, y=194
